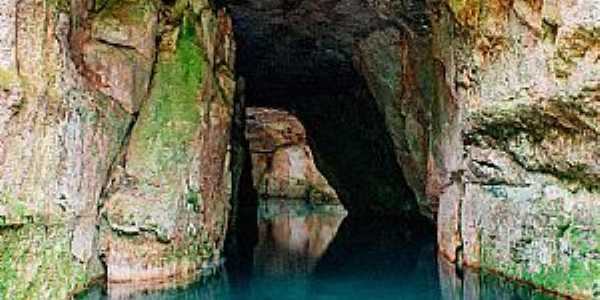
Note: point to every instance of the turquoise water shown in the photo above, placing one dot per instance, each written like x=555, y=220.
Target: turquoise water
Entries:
x=304, y=254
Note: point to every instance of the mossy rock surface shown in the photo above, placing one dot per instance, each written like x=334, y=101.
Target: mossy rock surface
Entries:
x=36, y=263
x=172, y=117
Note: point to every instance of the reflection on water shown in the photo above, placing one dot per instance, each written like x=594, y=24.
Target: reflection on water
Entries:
x=291, y=240
x=306, y=252
x=474, y=285
x=292, y=237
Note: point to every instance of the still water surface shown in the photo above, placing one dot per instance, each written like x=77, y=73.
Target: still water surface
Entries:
x=317, y=253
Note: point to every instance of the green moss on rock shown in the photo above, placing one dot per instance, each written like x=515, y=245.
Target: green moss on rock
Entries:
x=465, y=11
x=131, y=12
x=36, y=263
x=171, y=118
x=8, y=79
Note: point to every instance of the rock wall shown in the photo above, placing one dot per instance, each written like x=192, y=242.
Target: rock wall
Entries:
x=401, y=77
x=58, y=139
x=523, y=196
x=282, y=162
x=493, y=109
x=109, y=140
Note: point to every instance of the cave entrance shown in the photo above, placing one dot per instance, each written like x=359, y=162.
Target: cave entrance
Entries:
x=297, y=57
x=315, y=138
x=344, y=130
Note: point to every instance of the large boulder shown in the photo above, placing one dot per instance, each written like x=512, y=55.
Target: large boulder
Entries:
x=282, y=162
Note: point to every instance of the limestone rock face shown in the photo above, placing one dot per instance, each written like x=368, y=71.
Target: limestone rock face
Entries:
x=58, y=139
x=282, y=162
x=521, y=196
x=82, y=176
x=399, y=75
x=494, y=113
x=168, y=203
x=120, y=54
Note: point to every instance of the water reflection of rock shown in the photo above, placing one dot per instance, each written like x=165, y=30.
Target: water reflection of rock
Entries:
x=315, y=252
x=213, y=287
x=293, y=236
x=470, y=284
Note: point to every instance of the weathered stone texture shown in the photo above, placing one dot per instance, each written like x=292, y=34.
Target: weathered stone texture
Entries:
x=167, y=208
x=120, y=54
x=282, y=162
x=524, y=197
x=8, y=25
x=74, y=156
x=58, y=139
x=394, y=71
x=494, y=113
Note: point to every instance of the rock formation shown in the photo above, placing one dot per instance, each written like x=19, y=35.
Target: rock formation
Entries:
x=521, y=195
x=117, y=130
x=112, y=147
x=282, y=162
x=298, y=56
x=496, y=108
x=491, y=108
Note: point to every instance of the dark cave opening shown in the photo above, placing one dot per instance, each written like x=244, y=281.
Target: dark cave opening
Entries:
x=292, y=61
x=308, y=72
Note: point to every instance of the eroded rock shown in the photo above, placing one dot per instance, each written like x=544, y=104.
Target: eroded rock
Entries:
x=495, y=114
x=58, y=139
x=166, y=214
x=120, y=54
x=282, y=162
x=75, y=158
x=524, y=201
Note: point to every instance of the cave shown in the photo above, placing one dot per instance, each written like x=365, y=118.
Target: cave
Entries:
x=299, y=149
x=307, y=69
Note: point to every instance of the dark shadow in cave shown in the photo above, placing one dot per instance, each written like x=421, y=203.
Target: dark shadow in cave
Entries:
x=365, y=251
x=292, y=61
x=242, y=234
x=350, y=143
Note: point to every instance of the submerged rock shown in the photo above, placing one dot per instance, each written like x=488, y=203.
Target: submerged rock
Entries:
x=282, y=162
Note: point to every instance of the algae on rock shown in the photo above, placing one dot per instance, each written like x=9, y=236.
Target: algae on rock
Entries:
x=72, y=82
x=524, y=199
x=166, y=212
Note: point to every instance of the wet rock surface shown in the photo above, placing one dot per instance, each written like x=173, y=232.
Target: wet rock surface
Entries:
x=116, y=121
x=167, y=205
x=492, y=110
x=58, y=139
